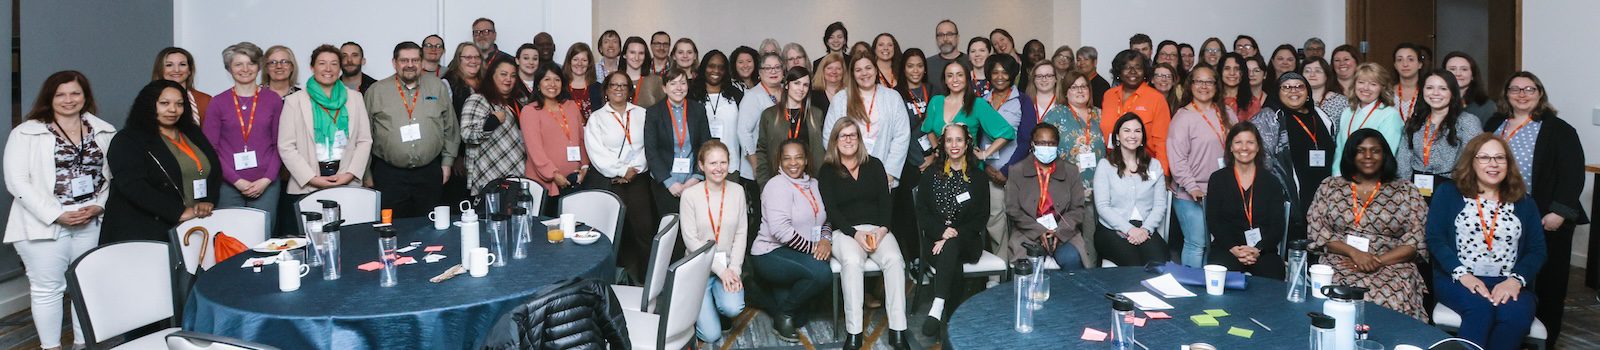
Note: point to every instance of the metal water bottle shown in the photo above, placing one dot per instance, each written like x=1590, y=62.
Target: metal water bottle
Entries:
x=1022, y=269
x=1297, y=270
x=1344, y=305
x=1122, y=326
x=469, y=232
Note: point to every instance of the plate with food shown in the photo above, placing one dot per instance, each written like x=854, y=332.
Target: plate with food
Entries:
x=279, y=244
x=585, y=237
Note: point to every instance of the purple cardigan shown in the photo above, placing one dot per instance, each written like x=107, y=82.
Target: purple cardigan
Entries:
x=786, y=212
x=223, y=129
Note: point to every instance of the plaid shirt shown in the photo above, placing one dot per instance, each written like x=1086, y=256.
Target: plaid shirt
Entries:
x=494, y=148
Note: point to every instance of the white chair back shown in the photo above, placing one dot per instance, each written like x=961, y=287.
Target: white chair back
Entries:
x=186, y=340
x=249, y=225
x=120, y=287
x=686, y=292
x=535, y=189
x=599, y=209
x=357, y=205
x=660, y=256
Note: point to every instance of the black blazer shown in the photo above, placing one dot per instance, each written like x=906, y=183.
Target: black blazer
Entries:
x=1557, y=168
x=146, y=198
x=659, y=139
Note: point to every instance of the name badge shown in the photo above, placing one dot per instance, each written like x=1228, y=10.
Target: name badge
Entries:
x=199, y=188
x=1360, y=243
x=410, y=132
x=1048, y=221
x=1221, y=163
x=81, y=186
x=716, y=130
x=244, y=160
x=573, y=154
x=1319, y=158
x=680, y=165
x=1252, y=236
x=923, y=141
x=323, y=154
x=963, y=197
x=340, y=139
x=1423, y=183
x=1087, y=160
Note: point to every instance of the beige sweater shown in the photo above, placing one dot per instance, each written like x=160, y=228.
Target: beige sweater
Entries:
x=696, y=223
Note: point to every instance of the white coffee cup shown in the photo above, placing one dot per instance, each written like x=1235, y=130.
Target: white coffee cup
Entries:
x=1321, y=275
x=1216, y=276
x=289, y=274
x=440, y=217
x=569, y=223
x=480, y=259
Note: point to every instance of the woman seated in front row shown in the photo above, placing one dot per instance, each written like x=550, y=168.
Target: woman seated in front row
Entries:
x=725, y=289
x=1244, y=209
x=1132, y=203
x=791, y=252
x=953, y=207
x=855, y=191
x=1487, y=247
x=1045, y=202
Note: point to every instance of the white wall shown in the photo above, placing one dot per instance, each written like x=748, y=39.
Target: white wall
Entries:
x=206, y=27
x=1550, y=28
x=1106, y=25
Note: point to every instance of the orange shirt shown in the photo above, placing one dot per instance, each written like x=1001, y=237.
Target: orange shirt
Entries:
x=1151, y=107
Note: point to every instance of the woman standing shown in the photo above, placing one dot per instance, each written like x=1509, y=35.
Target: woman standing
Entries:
x=610, y=47
x=673, y=132
x=915, y=88
x=879, y=112
x=324, y=140
x=1473, y=98
x=1297, y=144
x=282, y=75
x=792, y=249
x=794, y=55
x=647, y=87
x=1211, y=51
x=715, y=91
x=1081, y=140
x=1409, y=69
x=1063, y=60
x=686, y=56
x=1371, y=224
x=756, y=101
x=1165, y=79
x=55, y=169
x=858, y=213
x=790, y=119
x=165, y=170
x=978, y=52
x=176, y=64
x=462, y=75
x=1133, y=206
x=1046, y=203
x=1283, y=61
x=249, y=161
x=1244, y=209
x=614, y=142
x=1195, y=148
x=953, y=205
x=1258, y=89
x=1345, y=61
x=725, y=289
x=744, y=68
x=1435, y=134
x=1372, y=107
x=490, y=128
x=886, y=56
x=827, y=81
x=1488, y=281
x=1246, y=46
x=961, y=106
x=582, y=86
x=1534, y=132
x=1326, y=92
x=1234, y=90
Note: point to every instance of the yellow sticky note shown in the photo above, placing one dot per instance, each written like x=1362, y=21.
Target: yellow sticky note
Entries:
x=1216, y=312
x=1203, y=320
x=1241, y=332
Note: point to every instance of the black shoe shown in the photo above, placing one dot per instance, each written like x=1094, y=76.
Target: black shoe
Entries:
x=897, y=339
x=726, y=324
x=931, y=327
x=852, y=341
x=784, y=328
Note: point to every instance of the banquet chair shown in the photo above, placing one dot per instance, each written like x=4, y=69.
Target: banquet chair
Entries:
x=357, y=205
x=187, y=340
x=1450, y=321
x=655, y=271
x=249, y=225
x=673, y=326
x=120, y=287
x=600, y=209
x=534, y=189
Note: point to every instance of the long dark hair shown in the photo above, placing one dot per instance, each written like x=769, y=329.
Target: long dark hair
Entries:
x=142, y=116
x=1242, y=96
x=518, y=92
x=1347, y=161
x=789, y=76
x=698, y=91
x=43, y=104
x=1419, y=116
x=900, y=70
x=647, y=67
x=1141, y=154
x=1332, y=84
x=967, y=96
x=1473, y=92
x=1272, y=70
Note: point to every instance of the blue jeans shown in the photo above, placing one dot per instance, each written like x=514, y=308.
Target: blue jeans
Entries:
x=1069, y=258
x=268, y=202
x=1192, y=218
x=718, y=299
x=1494, y=327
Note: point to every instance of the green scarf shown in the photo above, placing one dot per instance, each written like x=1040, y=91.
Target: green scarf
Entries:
x=325, y=125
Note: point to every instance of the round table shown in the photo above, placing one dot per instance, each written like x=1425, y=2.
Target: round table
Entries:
x=353, y=312
x=1077, y=300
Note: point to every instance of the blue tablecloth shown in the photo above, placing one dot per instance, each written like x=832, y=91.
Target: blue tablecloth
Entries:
x=1077, y=300
x=353, y=312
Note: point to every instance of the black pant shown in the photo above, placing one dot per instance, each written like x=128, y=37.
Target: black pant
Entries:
x=1112, y=246
x=947, y=277
x=793, y=279
x=1551, y=285
x=410, y=192
x=638, y=221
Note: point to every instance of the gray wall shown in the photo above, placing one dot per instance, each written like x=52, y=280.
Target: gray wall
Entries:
x=114, y=43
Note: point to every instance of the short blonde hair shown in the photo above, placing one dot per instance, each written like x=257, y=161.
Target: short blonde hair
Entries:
x=1373, y=72
x=819, y=82
x=294, y=65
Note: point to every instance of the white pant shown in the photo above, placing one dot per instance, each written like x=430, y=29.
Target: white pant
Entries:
x=998, y=228
x=47, y=261
x=851, y=257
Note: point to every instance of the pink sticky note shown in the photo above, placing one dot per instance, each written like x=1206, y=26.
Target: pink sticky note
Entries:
x=1139, y=321
x=405, y=260
x=370, y=266
x=1092, y=334
x=1129, y=318
x=1157, y=315
x=433, y=248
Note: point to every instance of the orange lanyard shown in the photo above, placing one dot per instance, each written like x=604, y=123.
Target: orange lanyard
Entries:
x=1123, y=107
x=561, y=117
x=716, y=226
x=638, y=88
x=334, y=115
x=886, y=81
x=1488, y=227
x=246, y=128
x=410, y=107
x=627, y=133
x=1084, y=138
x=1221, y=140
x=1313, y=135
x=188, y=151
x=1044, y=183
x=1508, y=133
x=681, y=134
x=871, y=106
x=1356, y=206
x=1411, y=104
x=1249, y=199
x=814, y=207
x=794, y=132
x=770, y=95
x=1347, y=131
x=1046, y=109
x=1427, y=144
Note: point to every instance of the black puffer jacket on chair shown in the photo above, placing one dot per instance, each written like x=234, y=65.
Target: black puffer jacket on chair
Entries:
x=571, y=314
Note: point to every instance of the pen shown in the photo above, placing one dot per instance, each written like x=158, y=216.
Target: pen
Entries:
x=1258, y=323
x=1141, y=345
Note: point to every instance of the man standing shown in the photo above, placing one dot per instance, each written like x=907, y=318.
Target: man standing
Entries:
x=1314, y=48
x=947, y=36
x=432, y=53
x=660, y=52
x=1086, y=60
x=547, y=47
x=1141, y=43
x=351, y=59
x=484, y=36
x=414, y=136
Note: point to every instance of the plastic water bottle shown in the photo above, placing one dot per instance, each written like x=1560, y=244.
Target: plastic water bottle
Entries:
x=1297, y=270
x=1022, y=270
x=330, y=249
x=498, y=237
x=1321, y=331
x=1122, y=329
x=521, y=225
x=386, y=253
x=312, y=230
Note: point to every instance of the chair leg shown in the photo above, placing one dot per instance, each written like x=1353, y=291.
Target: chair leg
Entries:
x=838, y=323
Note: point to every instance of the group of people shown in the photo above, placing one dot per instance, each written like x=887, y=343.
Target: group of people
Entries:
x=919, y=162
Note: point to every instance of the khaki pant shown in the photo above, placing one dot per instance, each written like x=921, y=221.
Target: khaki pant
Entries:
x=851, y=257
x=999, y=230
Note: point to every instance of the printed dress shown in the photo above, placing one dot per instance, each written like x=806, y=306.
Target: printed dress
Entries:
x=1396, y=217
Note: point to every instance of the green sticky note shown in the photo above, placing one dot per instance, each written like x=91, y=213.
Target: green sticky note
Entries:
x=1241, y=332
x=1216, y=312
x=1204, y=320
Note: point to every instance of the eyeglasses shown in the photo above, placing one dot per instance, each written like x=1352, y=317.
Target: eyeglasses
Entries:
x=771, y=68
x=849, y=136
x=617, y=86
x=1212, y=50
x=1243, y=47
x=1211, y=82
x=1044, y=76
x=1078, y=88
x=1524, y=91
x=1297, y=88
x=433, y=46
x=1488, y=159
x=1166, y=76
x=472, y=57
x=482, y=32
x=945, y=35
x=280, y=63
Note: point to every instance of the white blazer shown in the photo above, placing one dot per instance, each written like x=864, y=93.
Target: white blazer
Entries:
x=30, y=171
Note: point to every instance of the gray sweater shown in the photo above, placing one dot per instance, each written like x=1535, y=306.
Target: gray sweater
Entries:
x=1442, y=155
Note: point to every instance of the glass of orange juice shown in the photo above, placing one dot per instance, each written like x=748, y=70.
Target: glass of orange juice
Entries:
x=554, y=235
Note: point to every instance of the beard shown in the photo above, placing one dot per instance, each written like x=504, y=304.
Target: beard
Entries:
x=483, y=46
x=346, y=71
x=946, y=49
